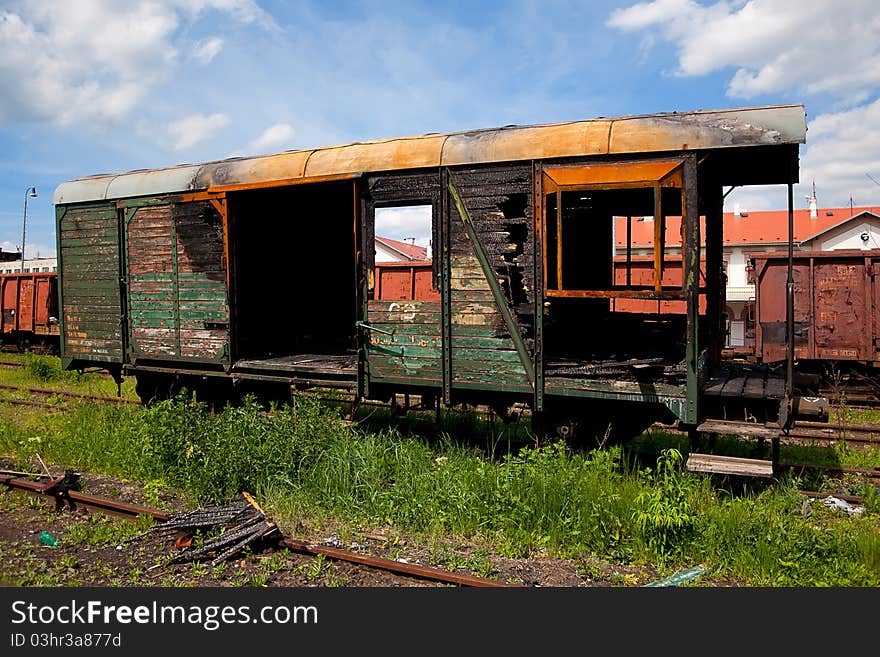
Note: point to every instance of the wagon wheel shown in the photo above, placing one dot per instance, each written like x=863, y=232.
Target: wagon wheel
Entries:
x=590, y=429
x=151, y=387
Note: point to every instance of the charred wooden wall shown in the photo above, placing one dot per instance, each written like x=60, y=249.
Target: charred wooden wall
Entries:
x=498, y=200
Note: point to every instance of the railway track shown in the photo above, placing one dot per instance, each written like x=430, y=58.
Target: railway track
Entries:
x=49, y=392
x=857, y=433
x=131, y=511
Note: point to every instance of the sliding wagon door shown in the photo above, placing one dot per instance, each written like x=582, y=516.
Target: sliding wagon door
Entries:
x=176, y=283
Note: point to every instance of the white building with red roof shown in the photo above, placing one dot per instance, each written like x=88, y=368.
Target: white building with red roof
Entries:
x=389, y=250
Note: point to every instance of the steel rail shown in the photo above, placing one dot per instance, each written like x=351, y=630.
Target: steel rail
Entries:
x=95, y=502
x=63, y=393
x=414, y=570
x=126, y=510
x=27, y=402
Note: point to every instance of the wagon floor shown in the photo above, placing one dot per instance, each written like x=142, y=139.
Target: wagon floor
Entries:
x=313, y=364
x=756, y=382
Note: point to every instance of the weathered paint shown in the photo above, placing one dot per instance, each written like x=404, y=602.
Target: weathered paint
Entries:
x=88, y=266
x=176, y=282
x=412, y=349
x=772, y=125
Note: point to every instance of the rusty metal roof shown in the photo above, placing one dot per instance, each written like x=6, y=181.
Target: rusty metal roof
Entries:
x=675, y=131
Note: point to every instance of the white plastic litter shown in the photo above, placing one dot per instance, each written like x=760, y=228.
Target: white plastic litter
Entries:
x=842, y=505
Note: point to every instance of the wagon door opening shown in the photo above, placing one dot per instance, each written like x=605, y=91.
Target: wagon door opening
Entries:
x=294, y=252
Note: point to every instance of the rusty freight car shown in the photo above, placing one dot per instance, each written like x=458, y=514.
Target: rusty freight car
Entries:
x=29, y=310
x=164, y=274
x=836, y=306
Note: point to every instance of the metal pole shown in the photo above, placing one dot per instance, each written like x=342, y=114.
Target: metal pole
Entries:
x=789, y=302
x=30, y=191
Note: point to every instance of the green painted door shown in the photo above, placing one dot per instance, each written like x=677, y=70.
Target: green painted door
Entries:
x=176, y=283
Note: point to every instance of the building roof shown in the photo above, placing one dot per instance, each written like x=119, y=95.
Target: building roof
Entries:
x=762, y=227
x=405, y=249
x=768, y=126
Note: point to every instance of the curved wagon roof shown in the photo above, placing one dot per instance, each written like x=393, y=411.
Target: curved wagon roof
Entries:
x=676, y=131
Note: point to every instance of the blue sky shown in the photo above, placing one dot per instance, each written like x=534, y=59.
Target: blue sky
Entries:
x=99, y=86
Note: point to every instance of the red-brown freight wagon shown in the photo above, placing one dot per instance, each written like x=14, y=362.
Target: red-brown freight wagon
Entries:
x=29, y=309
x=397, y=281
x=836, y=306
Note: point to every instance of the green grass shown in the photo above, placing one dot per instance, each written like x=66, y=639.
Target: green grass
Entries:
x=635, y=506
x=41, y=371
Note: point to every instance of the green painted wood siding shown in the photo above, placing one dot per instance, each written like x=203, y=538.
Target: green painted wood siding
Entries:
x=413, y=351
x=151, y=283
x=177, y=283
x=88, y=239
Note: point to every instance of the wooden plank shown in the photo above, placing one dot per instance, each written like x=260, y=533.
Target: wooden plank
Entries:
x=775, y=387
x=734, y=386
x=754, y=388
x=715, y=385
x=738, y=428
x=730, y=465
x=410, y=306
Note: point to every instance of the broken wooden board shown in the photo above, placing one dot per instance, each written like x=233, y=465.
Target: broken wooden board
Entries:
x=738, y=429
x=731, y=465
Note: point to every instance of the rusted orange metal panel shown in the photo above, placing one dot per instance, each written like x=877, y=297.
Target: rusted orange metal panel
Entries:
x=266, y=184
x=527, y=142
x=614, y=174
x=409, y=153
x=757, y=126
x=283, y=166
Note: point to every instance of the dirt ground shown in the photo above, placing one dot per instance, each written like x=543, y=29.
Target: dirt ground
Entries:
x=94, y=550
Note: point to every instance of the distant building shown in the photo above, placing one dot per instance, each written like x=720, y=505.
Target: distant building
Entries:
x=30, y=265
x=388, y=250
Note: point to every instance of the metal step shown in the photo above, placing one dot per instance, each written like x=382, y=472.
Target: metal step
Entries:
x=729, y=465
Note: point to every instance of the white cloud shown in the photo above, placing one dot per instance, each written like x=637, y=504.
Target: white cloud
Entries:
x=94, y=60
x=31, y=250
x=404, y=222
x=192, y=129
x=842, y=148
x=272, y=138
x=207, y=49
x=813, y=45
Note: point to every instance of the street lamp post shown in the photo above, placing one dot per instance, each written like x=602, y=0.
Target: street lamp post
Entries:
x=30, y=191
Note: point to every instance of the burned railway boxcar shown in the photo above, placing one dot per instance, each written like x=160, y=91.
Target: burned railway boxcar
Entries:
x=164, y=274
x=29, y=310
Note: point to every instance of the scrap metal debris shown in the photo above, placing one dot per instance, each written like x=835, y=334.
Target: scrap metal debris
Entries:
x=241, y=523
